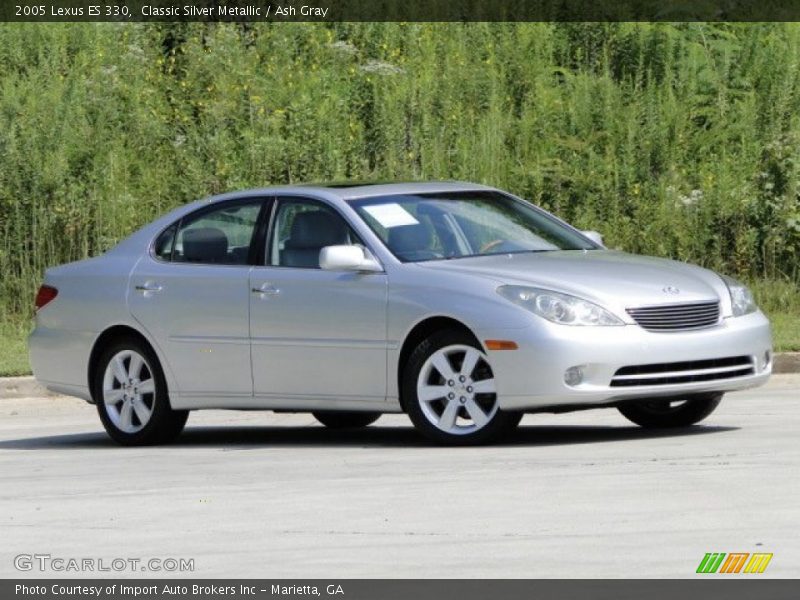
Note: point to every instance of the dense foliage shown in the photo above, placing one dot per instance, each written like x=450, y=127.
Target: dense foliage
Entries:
x=677, y=140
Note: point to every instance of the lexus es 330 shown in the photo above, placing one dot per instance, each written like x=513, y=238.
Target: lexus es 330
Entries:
x=458, y=304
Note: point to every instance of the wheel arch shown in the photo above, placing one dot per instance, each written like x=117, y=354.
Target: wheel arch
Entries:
x=417, y=334
x=108, y=336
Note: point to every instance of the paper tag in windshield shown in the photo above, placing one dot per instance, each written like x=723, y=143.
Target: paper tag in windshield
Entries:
x=391, y=215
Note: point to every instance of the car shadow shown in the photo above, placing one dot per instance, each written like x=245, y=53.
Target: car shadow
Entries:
x=233, y=436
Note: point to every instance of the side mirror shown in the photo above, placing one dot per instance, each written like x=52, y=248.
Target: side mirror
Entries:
x=348, y=258
x=595, y=237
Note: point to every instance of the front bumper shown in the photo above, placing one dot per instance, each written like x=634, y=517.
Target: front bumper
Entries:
x=532, y=377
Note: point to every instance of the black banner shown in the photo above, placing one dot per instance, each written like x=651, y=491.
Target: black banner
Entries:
x=711, y=588
x=392, y=10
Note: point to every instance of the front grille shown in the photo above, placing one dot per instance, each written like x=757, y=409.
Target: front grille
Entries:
x=684, y=372
x=676, y=317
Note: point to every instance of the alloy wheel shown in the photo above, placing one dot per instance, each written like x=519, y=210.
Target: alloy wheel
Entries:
x=456, y=390
x=129, y=391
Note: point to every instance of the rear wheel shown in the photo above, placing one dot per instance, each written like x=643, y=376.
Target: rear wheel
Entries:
x=450, y=392
x=346, y=420
x=131, y=396
x=671, y=412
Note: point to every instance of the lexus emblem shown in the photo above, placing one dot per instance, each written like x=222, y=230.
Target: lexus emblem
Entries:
x=671, y=290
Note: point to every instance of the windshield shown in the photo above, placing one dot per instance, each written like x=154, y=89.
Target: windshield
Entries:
x=422, y=227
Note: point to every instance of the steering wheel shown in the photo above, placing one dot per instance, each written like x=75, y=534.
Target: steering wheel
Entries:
x=491, y=245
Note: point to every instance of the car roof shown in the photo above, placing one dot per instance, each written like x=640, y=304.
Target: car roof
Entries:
x=356, y=190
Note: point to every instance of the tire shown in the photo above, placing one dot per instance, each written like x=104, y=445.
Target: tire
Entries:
x=135, y=412
x=459, y=404
x=346, y=420
x=667, y=413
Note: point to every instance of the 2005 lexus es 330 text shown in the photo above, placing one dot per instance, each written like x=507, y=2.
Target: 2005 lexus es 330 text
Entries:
x=459, y=304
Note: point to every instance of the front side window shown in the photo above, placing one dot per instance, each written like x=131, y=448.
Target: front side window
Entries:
x=304, y=227
x=420, y=227
x=220, y=236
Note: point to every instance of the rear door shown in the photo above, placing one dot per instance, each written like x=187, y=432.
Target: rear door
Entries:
x=192, y=295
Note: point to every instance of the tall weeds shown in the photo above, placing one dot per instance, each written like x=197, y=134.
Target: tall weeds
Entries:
x=678, y=140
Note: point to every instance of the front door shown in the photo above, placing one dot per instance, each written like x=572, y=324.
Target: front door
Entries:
x=193, y=297
x=315, y=334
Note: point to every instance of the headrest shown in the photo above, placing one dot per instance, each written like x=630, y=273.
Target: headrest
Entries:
x=316, y=229
x=205, y=244
x=410, y=238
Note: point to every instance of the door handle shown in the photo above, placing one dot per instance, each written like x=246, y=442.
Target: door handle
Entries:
x=266, y=289
x=148, y=287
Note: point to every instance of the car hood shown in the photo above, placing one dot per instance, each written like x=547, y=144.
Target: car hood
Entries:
x=613, y=279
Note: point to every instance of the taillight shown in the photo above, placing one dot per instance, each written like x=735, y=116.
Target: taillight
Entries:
x=45, y=295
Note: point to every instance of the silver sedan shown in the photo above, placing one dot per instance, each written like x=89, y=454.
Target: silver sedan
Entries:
x=459, y=304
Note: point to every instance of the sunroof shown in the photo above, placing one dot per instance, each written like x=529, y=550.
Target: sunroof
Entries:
x=351, y=184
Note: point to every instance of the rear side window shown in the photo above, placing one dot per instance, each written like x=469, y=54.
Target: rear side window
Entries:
x=220, y=236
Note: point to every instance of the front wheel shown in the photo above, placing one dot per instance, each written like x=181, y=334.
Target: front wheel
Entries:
x=671, y=412
x=131, y=396
x=346, y=420
x=450, y=393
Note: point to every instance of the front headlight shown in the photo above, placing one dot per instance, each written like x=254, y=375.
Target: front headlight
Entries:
x=741, y=298
x=558, y=308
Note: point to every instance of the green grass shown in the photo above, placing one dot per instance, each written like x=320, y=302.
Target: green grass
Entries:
x=780, y=300
x=13, y=349
x=786, y=332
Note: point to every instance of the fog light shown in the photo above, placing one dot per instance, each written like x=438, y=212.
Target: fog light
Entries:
x=573, y=376
x=766, y=359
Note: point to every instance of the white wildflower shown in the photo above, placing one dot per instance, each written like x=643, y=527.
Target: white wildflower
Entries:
x=693, y=198
x=343, y=47
x=380, y=67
